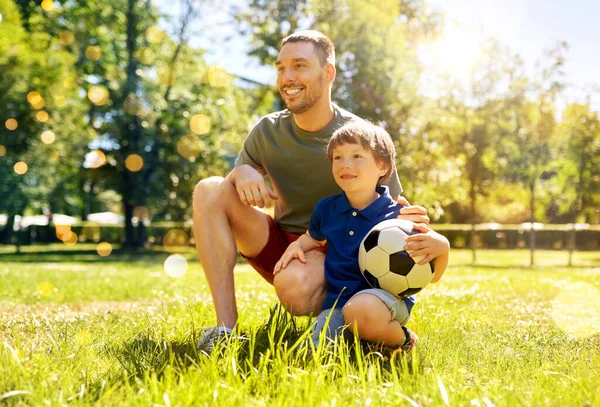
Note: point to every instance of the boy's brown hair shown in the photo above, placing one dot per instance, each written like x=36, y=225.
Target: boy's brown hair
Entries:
x=323, y=45
x=371, y=137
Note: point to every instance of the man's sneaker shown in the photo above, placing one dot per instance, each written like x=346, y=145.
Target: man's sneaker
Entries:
x=211, y=337
x=411, y=340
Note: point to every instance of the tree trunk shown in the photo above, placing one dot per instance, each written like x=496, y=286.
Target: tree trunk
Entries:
x=473, y=239
x=532, y=231
x=131, y=129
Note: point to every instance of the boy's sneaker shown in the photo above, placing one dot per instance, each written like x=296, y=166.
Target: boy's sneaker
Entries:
x=411, y=340
x=211, y=337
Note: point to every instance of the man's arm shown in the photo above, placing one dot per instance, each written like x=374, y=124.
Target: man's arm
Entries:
x=416, y=214
x=251, y=186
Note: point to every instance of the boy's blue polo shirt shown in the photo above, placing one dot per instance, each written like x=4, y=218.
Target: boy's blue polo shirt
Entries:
x=344, y=227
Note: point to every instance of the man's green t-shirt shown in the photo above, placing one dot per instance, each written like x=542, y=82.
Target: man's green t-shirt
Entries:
x=296, y=162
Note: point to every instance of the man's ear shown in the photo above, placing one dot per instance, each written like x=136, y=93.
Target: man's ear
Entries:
x=330, y=71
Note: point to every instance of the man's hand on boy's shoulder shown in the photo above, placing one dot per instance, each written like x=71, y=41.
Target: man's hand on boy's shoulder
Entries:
x=413, y=213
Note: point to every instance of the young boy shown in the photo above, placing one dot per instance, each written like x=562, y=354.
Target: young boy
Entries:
x=362, y=157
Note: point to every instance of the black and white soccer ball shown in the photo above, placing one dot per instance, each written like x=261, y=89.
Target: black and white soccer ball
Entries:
x=385, y=264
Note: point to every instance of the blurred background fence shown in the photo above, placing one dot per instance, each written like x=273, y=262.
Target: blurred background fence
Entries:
x=487, y=236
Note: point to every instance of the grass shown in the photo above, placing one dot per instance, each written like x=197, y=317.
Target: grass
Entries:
x=78, y=329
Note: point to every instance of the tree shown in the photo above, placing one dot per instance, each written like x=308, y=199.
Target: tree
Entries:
x=528, y=148
x=579, y=169
x=41, y=121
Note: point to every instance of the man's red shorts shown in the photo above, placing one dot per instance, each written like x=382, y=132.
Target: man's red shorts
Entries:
x=278, y=241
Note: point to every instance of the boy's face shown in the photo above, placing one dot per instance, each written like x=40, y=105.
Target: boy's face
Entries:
x=301, y=80
x=355, y=168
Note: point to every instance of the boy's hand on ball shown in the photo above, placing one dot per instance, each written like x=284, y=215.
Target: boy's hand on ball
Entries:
x=426, y=245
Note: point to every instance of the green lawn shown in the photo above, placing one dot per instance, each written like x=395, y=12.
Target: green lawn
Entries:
x=79, y=329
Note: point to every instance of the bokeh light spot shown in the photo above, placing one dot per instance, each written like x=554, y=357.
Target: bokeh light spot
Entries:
x=190, y=146
x=145, y=55
x=175, y=265
x=11, y=124
x=20, y=167
x=104, y=249
x=200, y=124
x=62, y=231
x=218, y=78
x=176, y=241
x=93, y=53
x=141, y=212
x=98, y=95
x=66, y=38
x=48, y=137
x=2, y=150
x=42, y=116
x=45, y=288
x=154, y=34
x=70, y=238
x=166, y=76
x=36, y=100
x=134, y=162
x=91, y=232
x=54, y=155
x=48, y=5
x=95, y=159
x=576, y=309
x=132, y=104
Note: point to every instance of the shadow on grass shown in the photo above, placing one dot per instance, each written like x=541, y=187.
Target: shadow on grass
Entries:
x=282, y=338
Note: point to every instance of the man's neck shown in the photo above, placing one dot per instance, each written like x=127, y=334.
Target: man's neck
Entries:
x=360, y=200
x=316, y=118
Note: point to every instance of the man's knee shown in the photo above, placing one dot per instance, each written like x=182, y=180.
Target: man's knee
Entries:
x=299, y=294
x=208, y=192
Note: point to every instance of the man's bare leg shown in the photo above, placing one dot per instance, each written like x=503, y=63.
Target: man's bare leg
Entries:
x=301, y=287
x=222, y=225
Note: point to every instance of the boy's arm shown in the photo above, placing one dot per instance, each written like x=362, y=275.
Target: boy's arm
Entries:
x=429, y=245
x=296, y=250
x=439, y=267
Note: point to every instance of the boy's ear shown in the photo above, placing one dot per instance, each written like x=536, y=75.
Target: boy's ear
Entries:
x=383, y=170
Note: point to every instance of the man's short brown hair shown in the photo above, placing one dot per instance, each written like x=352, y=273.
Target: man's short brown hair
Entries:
x=371, y=137
x=323, y=45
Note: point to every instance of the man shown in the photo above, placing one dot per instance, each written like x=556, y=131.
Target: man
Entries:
x=289, y=148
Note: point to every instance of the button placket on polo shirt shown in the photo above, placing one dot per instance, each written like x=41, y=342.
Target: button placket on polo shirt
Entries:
x=352, y=225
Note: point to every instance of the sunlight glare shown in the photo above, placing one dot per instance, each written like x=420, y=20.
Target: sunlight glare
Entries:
x=455, y=53
x=576, y=309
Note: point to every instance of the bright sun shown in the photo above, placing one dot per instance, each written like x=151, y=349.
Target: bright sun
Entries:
x=454, y=54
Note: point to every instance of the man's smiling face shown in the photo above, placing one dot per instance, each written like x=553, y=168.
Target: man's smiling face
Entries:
x=300, y=76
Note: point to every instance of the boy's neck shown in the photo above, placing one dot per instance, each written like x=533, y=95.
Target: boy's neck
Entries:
x=360, y=200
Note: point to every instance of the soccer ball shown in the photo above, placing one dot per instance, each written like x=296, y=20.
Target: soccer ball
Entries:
x=384, y=263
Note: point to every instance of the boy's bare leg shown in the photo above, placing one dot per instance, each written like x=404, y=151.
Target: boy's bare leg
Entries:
x=222, y=225
x=371, y=319
x=301, y=287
